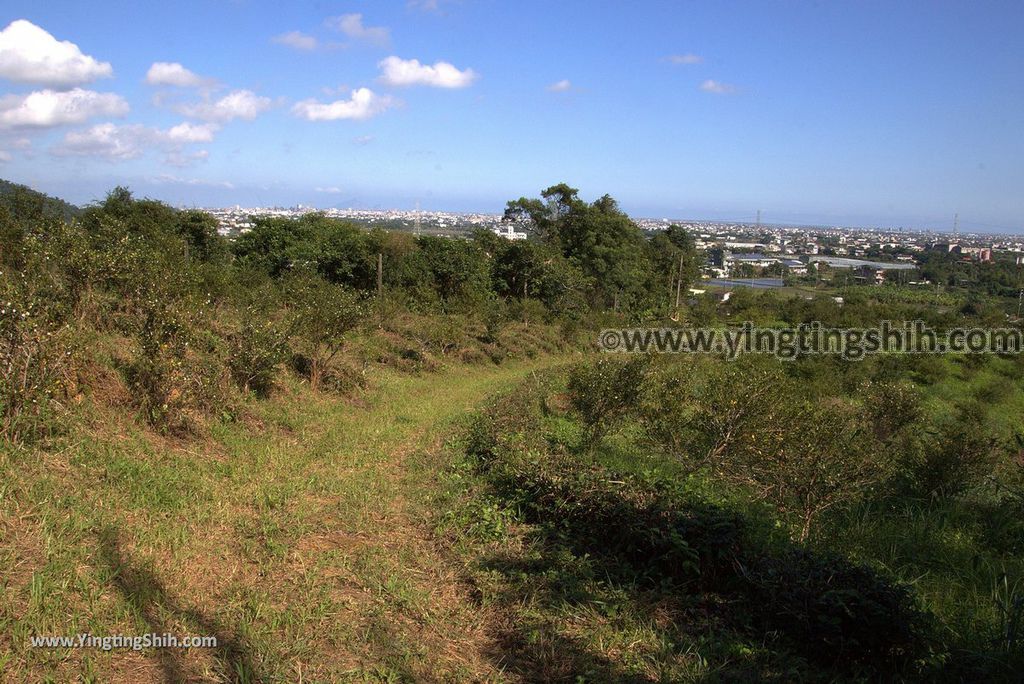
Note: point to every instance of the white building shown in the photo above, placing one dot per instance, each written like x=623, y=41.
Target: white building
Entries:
x=509, y=232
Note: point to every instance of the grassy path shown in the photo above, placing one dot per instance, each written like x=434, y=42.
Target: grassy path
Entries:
x=298, y=537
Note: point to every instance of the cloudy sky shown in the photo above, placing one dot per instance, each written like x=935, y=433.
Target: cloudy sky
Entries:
x=860, y=112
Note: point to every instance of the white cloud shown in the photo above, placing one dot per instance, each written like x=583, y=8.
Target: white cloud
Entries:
x=688, y=58
x=362, y=140
x=332, y=190
x=406, y=72
x=560, y=86
x=297, y=40
x=175, y=180
x=331, y=92
x=191, y=133
x=238, y=104
x=107, y=141
x=5, y=156
x=118, y=143
x=352, y=26
x=181, y=159
x=28, y=54
x=174, y=74
x=47, y=108
x=717, y=87
x=425, y=5
x=363, y=104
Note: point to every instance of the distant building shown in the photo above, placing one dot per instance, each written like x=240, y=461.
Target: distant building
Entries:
x=755, y=260
x=794, y=266
x=509, y=232
x=977, y=253
x=870, y=274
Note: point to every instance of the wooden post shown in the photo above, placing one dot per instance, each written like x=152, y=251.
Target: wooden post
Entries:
x=380, y=274
x=679, y=281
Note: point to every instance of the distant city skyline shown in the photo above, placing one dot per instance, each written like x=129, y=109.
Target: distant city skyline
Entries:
x=841, y=114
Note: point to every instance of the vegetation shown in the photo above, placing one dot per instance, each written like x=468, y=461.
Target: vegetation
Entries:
x=799, y=536
x=247, y=438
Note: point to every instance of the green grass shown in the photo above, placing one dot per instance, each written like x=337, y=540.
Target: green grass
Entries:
x=298, y=535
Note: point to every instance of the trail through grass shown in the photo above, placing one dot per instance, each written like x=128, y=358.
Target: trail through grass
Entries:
x=297, y=536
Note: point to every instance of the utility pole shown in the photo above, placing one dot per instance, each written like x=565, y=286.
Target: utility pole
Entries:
x=417, y=229
x=956, y=227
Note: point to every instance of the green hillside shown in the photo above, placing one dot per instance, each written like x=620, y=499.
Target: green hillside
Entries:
x=21, y=202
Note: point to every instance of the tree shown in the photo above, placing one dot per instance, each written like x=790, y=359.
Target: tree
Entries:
x=610, y=250
x=275, y=245
x=199, y=230
x=341, y=252
x=674, y=253
x=458, y=270
x=543, y=218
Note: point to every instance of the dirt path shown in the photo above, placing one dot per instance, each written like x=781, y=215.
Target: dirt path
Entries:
x=301, y=537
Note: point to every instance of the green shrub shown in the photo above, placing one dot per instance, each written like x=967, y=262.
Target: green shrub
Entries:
x=835, y=611
x=605, y=391
x=35, y=356
x=255, y=352
x=658, y=533
x=176, y=373
x=950, y=460
x=323, y=315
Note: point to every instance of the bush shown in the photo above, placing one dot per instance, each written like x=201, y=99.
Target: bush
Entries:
x=605, y=391
x=747, y=423
x=640, y=533
x=255, y=352
x=335, y=377
x=176, y=373
x=660, y=534
x=950, y=460
x=323, y=315
x=836, y=611
x=35, y=355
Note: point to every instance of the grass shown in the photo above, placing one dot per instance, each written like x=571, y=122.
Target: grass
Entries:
x=298, y=535
x=569, y=611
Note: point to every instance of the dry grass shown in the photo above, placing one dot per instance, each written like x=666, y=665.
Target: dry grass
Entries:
x=299, y=535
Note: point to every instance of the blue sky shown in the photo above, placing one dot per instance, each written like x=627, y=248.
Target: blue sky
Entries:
x=861, y=113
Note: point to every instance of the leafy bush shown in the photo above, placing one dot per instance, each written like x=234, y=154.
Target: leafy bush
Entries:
x=323, y=315
x=834, y=610
x=656, y=532
x=639, y=532
x=950, y=460
x=255, y=352
x=751, y=426
x=35, y=354
x=605, y=391
x=175, y=373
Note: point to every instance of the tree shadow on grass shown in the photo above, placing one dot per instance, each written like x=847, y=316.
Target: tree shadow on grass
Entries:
x=532, y=647
x=700, y=638
x=144, y=591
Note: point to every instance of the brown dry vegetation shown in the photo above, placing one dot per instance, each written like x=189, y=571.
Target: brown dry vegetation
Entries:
x=300, y=535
